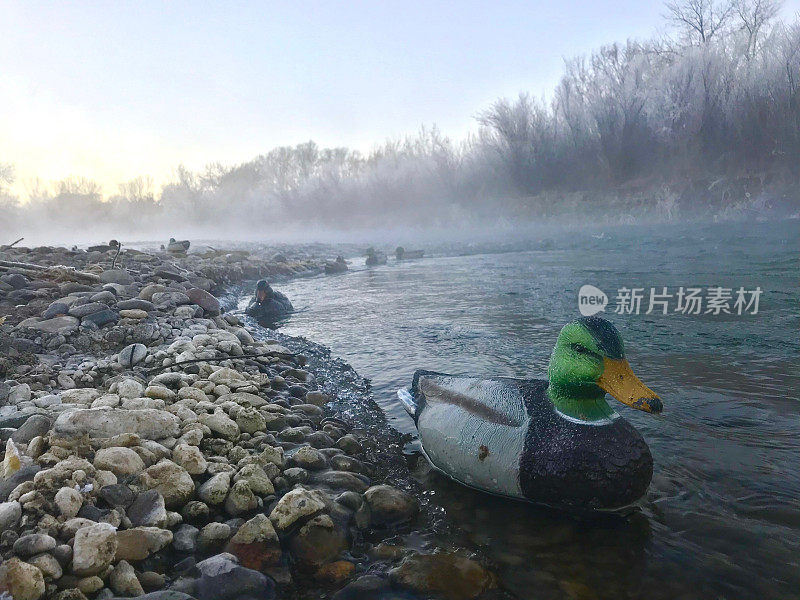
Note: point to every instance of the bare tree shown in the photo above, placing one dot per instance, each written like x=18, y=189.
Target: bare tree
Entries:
x=699, y=20
x=753, y=16
x=6, y=174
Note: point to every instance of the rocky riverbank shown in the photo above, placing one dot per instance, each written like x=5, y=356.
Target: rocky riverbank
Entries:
x=154, y=447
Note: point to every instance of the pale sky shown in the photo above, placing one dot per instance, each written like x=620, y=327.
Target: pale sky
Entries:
x=113, y=90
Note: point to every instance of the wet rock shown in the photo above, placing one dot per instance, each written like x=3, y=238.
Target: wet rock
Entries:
x=222, y=425
x=318, y=541
x=317, y=398
x=10, y=514
x=196, y=512
x=341, y=480
x=140, y=542
x=94, y=548
x=240, y=499
x=34, y=426
x=204, y=300
x=256, y=544
x=349, y=444
x=335, y=573
x=136, y=304
x=84, y=310
x=351, y=500
x=296, y=475
x=48, y=565
x=35, y=543
x=123, y=580
x=118, y=494
x=119, y=276
x=250, y=420
x=90, y=585
x=101, y=318
x=129, y=388
x=309, y=458
x=120, y=461
x=132, y=355
x=151, y=580
x=163, y=595
x=148, y=510
x=389, y=505
x=159, y=392
x=446, y=575
x=65, y=325
x=147, y=423
x=342, y=462
x=185, y=538
x=19, y=393
x=79, y=396
x=215, y=490
x=171, y=481
x=56, y=309
x=256, y=478
x=190, y=458
x=222, y=578
x=296, y=505
x=22, y=580
x=213, y=537
x=166, y=300
x=7, y=485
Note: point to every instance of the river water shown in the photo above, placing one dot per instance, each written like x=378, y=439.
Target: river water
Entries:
x=722, y=516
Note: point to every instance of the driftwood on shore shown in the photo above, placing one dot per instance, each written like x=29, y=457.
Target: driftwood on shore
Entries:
x=56, y=272
x=12, y=244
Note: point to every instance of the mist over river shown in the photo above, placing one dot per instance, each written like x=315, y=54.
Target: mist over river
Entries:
x=722, y=516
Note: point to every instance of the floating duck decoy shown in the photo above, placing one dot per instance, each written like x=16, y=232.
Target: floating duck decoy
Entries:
x=375, y=257
x=403, y=254
x=268, y=304
x=553, y=441
x=335, y=266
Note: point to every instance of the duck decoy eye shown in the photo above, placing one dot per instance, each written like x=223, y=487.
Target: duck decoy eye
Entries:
x=581, y=349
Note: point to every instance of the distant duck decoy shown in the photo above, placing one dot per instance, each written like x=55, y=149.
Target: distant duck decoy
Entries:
x=375, y=257
x=178, y=247
x=403, y=254
x=335, y=266
x=553, y=441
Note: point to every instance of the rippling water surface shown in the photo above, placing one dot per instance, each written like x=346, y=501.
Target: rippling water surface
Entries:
x=722, y=516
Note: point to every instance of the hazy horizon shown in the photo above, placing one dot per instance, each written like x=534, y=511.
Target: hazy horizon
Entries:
x=112, y=94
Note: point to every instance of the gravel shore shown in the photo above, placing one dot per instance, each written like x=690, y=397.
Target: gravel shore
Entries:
x=156, y=448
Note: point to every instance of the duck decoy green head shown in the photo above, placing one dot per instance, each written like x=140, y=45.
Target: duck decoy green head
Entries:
x=588, y=361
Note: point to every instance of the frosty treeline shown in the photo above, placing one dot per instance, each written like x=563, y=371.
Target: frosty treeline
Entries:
x=681, y=117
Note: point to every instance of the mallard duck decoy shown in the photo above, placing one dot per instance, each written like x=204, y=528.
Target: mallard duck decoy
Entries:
x=178, y=247
x=403, y=254
x=375, y=257
x=553, y=441
x=336, y=266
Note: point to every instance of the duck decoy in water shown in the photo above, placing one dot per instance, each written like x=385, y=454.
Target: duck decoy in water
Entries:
x=268, y=304
x=553, y=441
x=375, y=257
x=335, y=266
x=403, y=254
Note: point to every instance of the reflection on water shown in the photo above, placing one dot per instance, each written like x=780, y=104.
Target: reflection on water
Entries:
x=721, y=518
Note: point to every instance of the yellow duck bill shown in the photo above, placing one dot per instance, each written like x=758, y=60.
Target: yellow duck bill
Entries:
x=619, y=381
